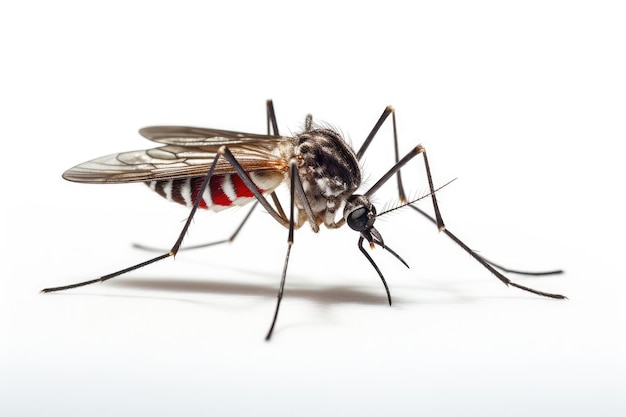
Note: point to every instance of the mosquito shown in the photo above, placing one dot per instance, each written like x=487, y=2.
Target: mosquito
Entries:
x=217, y=169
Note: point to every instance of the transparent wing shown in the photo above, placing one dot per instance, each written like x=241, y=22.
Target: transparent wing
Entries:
x=189, y=153
x=200, y=136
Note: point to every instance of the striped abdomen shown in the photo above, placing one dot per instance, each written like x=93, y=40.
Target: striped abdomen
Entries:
x=224, y=190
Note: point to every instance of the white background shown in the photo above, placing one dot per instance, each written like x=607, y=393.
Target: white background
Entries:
x=524, y=103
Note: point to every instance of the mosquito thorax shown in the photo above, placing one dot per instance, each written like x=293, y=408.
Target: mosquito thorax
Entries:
x=329, y=171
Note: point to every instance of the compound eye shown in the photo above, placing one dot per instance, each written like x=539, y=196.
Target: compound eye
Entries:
x=358, y=219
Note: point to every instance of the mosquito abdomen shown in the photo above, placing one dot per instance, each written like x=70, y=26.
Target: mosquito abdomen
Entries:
x=223, y=191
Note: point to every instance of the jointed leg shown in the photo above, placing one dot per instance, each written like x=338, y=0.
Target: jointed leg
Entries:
x=281, y=289
x=272, y=126
x=419, y=149
x=206, y=245
x=296, y=188
x=484, y=261
x=224, y=153
x=388, y=111
x=439, y=222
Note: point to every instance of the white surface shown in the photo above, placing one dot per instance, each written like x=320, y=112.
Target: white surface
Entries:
x=525, y=105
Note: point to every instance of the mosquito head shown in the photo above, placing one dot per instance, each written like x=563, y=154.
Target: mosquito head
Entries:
x=360, y=215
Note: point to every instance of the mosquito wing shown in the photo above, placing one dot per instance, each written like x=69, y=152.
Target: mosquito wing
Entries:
x=189, y=152
x=200, y=136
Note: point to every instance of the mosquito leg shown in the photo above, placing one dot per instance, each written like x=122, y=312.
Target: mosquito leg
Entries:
x=271, y=122
x=272, y=125
x=172, y=252
x=295, y=188
x=476, y=256
x=419, y=149
x=204, y=245
x=498, y=275
x=222, y=152
x=271, y=117
x=292, y=203
x=388, y=111
x=517, y=271
x=489, y=266
x=439, y=221
x=279, y=208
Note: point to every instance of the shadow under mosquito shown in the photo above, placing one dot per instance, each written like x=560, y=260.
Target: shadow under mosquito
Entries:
x=444, y=293
x=319, y=295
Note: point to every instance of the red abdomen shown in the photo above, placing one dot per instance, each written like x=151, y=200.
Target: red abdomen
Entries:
x=223, y=191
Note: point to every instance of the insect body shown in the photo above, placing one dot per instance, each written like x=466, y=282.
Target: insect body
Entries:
x=216, y=169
